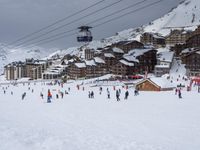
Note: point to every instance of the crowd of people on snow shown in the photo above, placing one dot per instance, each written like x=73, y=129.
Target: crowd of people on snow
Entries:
x=80, y=87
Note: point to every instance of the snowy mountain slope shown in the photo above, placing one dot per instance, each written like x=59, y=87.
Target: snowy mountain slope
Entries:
x=186, y=14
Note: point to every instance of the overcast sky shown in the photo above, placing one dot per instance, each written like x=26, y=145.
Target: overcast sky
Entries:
x=21, y=17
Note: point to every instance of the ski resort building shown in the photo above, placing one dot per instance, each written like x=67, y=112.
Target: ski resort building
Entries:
x=164, y=63
x=154, y=84
x=154, y=39
x=177, y=37
x=126, y=46
x=191, y=58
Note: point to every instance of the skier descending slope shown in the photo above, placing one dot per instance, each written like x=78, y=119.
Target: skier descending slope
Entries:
x=49, y=97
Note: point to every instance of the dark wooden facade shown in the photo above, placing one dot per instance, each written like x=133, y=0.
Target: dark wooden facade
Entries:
x=192, y=63
x=152, y=39
x=126, y=46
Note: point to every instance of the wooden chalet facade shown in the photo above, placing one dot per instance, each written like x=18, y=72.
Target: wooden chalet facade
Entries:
x=154, y=39
x=77, y=70
x=126, y=46
x=145, y=60
x=191, y=59
x=154, y=85
x=124, y=68
x=177, y=37
x=193, y=41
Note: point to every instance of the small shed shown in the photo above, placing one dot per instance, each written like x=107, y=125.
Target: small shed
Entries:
x=155, y=84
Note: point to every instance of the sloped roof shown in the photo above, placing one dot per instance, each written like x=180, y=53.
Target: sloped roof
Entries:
x=80, y=65
x=166, y=56
x=99, y=60
x=126, y=63
x=90, y=63
x=117, y=50
x=109, y=55
x=159, y=82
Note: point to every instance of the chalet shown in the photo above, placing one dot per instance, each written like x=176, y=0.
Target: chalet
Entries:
x=178, y=48
x=123, y=67
x=117, y=52
x=100, y=67
x=110, y=60
x=177, y=37
x=193, y=41
x=90, y=70
x=144, y=58
x=77, y=70
x=126, y=46
x=89, y=53
x=191, y=58
x=154, y=39
x=164, y=63
x=154, y=84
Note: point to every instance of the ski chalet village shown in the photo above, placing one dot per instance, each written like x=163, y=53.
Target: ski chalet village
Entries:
x=125, y=58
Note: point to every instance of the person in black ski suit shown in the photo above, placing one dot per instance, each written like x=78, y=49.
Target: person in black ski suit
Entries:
x=117, y=95
x=126, y=95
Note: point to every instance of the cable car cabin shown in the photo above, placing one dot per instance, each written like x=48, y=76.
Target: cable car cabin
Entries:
x=84, y=34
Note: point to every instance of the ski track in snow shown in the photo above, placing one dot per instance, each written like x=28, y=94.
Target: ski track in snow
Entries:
x=150, y=121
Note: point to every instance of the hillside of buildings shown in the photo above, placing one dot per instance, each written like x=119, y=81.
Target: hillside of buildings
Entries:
x=130, y=53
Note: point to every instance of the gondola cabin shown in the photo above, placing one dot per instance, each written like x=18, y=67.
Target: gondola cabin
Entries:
x=84, y=34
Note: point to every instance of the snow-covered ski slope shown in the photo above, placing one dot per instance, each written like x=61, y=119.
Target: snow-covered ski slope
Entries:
x=186, y=15
x=149, y=121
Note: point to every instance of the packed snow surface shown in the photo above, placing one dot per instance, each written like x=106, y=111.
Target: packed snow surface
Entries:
x=149, y=121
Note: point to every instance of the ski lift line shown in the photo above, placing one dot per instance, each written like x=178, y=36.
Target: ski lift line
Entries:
x=118, y=11
x=56, y=22
x=48, y=41
x=55, y=35
x=114, y=13
x=146, y=6
x=128, y=13
x=59, y=27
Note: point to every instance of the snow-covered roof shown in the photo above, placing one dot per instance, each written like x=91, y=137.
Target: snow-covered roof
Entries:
x=99, y=60
x=133, y=54
x=162, y=82
x=109, y=55
x=159, y=82
x=90, y=63
x=187, y=50
x=162, y=66
x=130, y=58
x=117, y=50
x=80, y=65
x=126, y=63
x=166, y=56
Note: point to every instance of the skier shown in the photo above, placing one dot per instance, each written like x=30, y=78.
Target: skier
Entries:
x=41, y=95
x=126, y=95
x=108, y=94
x=176, y=91
x=136, y=92
x=49, y=97
x=179, y=93
x=57, y=96
x=61, y=93
x=89, y=95
x=117, y=95
x=23, y=95
x=92, y=94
